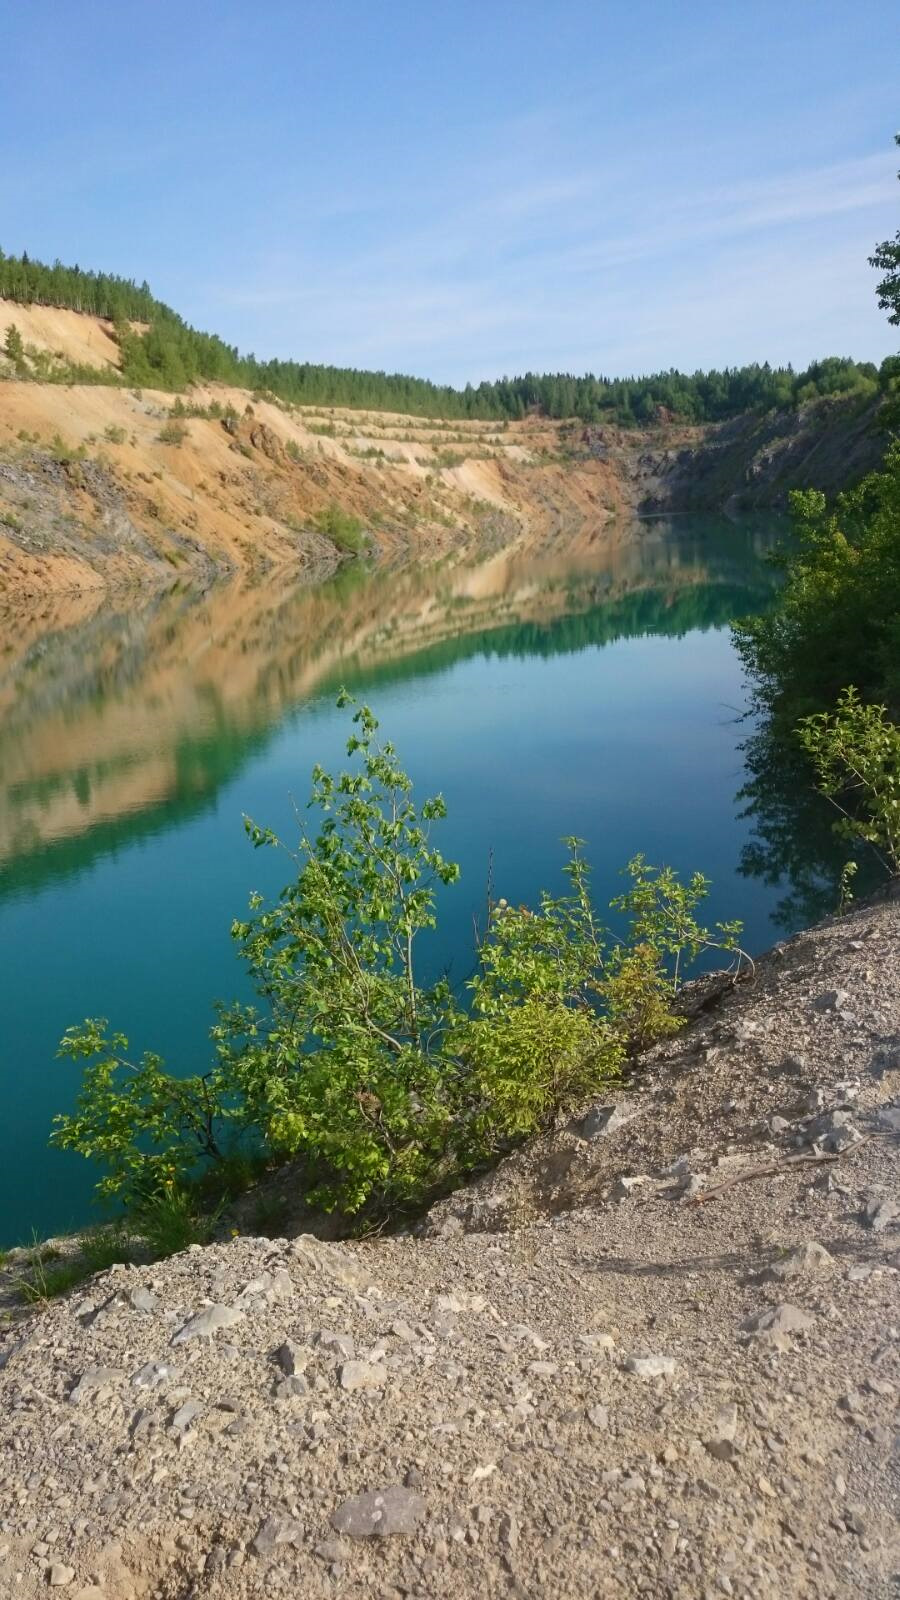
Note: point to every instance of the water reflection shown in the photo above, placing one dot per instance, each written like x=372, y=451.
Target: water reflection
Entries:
x=120, y=718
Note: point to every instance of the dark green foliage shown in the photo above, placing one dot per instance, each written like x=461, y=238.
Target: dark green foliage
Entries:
x=171, y=355
x=13, y=346
x=838, y=621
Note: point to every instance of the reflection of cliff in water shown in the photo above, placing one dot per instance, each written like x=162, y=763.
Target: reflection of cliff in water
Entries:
x=125, y=721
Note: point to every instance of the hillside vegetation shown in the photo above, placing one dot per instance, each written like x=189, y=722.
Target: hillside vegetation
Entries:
x=159, y=350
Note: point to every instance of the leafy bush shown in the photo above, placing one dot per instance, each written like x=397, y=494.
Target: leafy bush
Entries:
x=856, y=753
x=114, y=433
x=342, y=528
x=838, y=620
x=385, y=1088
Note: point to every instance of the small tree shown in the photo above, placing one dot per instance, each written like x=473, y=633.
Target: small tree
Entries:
x=856, y=753
x=387, y=1088
x=13, y=346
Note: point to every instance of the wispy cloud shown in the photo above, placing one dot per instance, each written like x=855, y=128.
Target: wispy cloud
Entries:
x=575, y=268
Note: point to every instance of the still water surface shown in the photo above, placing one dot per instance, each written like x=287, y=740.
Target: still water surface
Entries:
x=594, y=693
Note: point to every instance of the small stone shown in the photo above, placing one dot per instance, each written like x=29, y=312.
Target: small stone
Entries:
x=721, y=1442
x=833, y=1130
x=879, y=1214
x=91, y=1379
x=809, y=1260
x=290, y=1388
x=291, y=1357
x=206, y=1323
x=831, y=1000
x=276, y=1531
x=154, y=1373
x=185, y=1415
x=598, y=1416
x=362, y=1375
x=340, y=1343
x=778, y=1319
x=508, y=1529
x=330, y=1550
x=380, y=1513
x=142, y=1300
x=60, y=1575
x=650, y=1366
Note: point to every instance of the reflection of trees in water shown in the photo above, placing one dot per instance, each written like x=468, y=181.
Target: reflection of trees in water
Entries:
x=131, y=721
x=794, y=843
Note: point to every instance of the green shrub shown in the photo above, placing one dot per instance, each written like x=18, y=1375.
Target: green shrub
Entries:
x=385, y=1088
x=856, y=754
x=172, y=432
x=114, y=434
x=342, y=528
x=838, y=617
x=48, y=1273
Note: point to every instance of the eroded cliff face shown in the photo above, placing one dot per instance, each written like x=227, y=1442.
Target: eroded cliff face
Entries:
x=748, y=464
x=100, y=486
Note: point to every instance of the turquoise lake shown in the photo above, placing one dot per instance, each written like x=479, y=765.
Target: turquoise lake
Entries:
x=594, y=692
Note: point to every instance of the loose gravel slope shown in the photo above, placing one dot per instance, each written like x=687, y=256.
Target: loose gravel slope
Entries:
x=631, y=1361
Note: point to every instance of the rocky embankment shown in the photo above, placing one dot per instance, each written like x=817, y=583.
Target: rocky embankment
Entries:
x=750, y=463
x=656, y=1353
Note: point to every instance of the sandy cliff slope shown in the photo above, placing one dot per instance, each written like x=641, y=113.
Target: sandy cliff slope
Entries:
x=97, y=491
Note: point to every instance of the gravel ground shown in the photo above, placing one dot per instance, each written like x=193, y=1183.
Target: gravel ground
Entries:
x=595, y=1373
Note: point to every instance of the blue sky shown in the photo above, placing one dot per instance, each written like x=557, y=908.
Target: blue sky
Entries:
x=465, y=189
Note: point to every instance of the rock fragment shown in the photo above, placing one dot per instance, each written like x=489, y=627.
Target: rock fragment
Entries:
x=92, y=1379
x=879, y=1214
x=291, y=1358
x=774, y=1320
x=650, y=1366
x=379, y=1513
x=810, y=1260
x=721, y=1441
x=141, y=1299
x=276, y=1531
x=206, y=1323
x=153, y=1373
x=362, y=1375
